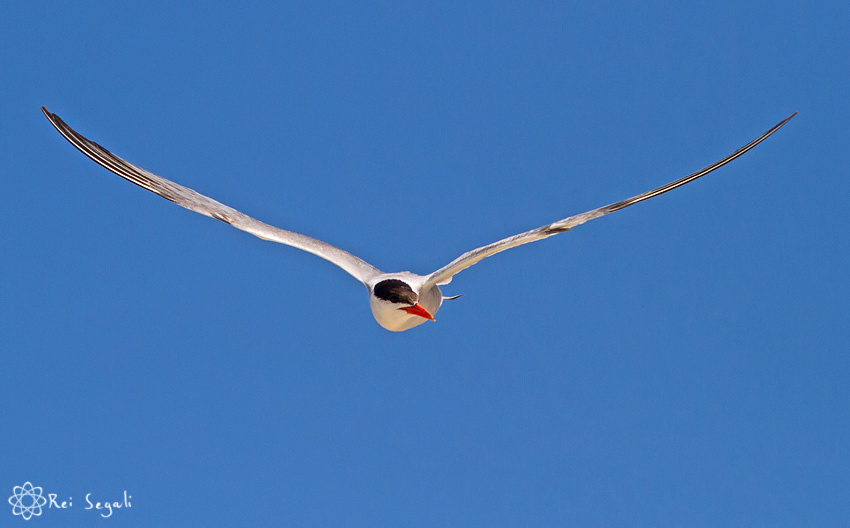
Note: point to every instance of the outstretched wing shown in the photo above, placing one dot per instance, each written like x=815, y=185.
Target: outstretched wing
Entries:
x=185, y=197
x=444, y=275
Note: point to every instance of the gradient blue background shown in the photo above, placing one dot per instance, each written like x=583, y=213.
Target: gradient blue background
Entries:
x=680, y=363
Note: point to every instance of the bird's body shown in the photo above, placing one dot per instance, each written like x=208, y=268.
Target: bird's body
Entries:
x=399, y=301
x=387, y=295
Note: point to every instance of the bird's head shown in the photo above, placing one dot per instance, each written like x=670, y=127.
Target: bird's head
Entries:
x=397, y=306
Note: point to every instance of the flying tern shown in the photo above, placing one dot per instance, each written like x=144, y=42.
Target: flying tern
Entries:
x=399, y=301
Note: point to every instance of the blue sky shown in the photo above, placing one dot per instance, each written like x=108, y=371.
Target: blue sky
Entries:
x=682, y=362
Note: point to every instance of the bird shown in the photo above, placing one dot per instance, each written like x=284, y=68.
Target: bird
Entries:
x=399, y=301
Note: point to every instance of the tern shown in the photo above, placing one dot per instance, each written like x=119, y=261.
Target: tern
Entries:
x=399, y=301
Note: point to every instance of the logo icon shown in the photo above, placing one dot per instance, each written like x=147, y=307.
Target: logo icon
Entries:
x=27, y=500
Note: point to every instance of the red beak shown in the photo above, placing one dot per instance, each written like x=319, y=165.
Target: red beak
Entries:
x=417, y=309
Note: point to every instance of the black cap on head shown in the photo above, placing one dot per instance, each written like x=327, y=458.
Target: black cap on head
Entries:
x=395, y=291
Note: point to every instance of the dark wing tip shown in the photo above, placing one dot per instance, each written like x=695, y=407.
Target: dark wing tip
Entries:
x=54, y=119
x=786, y=119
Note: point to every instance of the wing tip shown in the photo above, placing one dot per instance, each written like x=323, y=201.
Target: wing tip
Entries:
x=48, y=114
x=54, y=119
x=788, y=118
